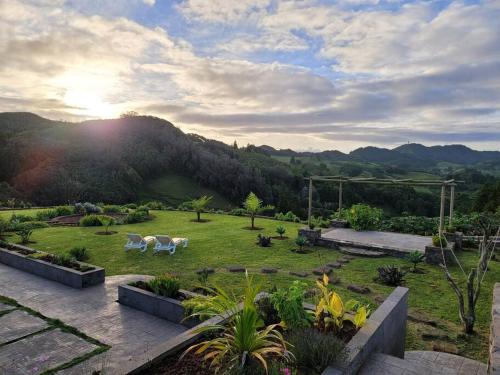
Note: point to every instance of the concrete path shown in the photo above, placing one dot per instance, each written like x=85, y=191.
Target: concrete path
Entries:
x=95, y=312
x=405, y=242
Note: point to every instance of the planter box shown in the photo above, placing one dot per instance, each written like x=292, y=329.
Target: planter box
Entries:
x=433, y=255
x=166, y=308
x=384, y=332
x=456, y=238
x=63, y=275
x=312, y=235
x=337, y=223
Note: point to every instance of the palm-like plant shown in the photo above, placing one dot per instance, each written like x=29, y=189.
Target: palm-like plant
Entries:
x=415, y=257
x=200, y=204
x=242, y=339
x=106, y=221
x=301, y=241
x=252, y=205
x=280, y=229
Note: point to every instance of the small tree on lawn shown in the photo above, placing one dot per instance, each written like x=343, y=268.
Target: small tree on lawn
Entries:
x=301, y=241
x=252, y=205
x=106, y=221
x=280, y=229
x=415, y=257
x=199, y=205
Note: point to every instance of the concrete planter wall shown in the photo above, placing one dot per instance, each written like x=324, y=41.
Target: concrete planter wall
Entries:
x=338, y=223
x=384, y=332
x=63, y=275
x=494, y=360
x=456, y=238
x=434, y=255
x=312, y=235
x=166, y=308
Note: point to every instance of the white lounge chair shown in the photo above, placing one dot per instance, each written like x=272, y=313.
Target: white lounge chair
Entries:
x=165, y=243
x=136, y=241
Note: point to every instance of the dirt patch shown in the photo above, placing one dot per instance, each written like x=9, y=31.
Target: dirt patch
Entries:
x=254, y=228
x=108, y=233
x=280, y=238
x=200, y=221
x=190, y=364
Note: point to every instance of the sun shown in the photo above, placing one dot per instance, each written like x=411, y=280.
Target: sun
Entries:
x=88, y=103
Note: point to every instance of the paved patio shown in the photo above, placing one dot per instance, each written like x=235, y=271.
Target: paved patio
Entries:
x=405, y=242
x=94, y=311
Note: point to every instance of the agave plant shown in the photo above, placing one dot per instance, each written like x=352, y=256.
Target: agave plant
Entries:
x=331, y=312
x=243, y=339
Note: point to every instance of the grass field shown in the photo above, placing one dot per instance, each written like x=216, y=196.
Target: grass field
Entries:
x=223, y=241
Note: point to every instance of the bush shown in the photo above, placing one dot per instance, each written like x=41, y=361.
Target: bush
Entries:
x=165, y=285
x=137, y=217
x=238, y=212
x=90, y=221
x=267, y=311
x=131, y=206
x=289, y=216
x=439, y=241
x=155, y=205
x=364, y=217
x=263, y=241
x=25, y=234
x=64, y=260
x=415, y=257
x=144, y=209
x=289, y=304
x=112, y=209
x=301, y=241
x=18, y=218
x=319, y=222
x=313, y=350
x=390, y=275
x=4, y=225
x=281, y=230
x=29, y=225
x=91, y=208
x=420, y=225
x=81, y=254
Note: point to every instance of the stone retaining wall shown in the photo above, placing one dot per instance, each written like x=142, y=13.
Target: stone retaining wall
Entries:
x=494, y=360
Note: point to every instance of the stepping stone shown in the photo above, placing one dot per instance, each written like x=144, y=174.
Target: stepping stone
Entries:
x=4, y=306
x=269, y=270
x=334, y=265
x=236, y=269
x=348, y=257
x=41, y=352
x=322, y=270
x=358, y=289
x=361, y=252
x=17, y=324
x=299, y=273
x=208, y=270
x=332, y=280
x=343, y=261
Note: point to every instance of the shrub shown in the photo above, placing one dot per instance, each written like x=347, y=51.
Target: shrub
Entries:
x=263, y=241
x=29, y=225
x=81, y=254
x=91, y=208
x=280, y=229
x=415, y=257
x=439, y=241
x=301, y=241
x=165, y=285
x=313, y=350
x=4, y=225
x=319, y=222
x=25, y=234
x=144, y=209
x=137, y=217
x=155, y=205
x=90, y=221
x=391, y=275
x=203, y=277
x=289, y=216
x=64, y=260
x=112, y=209
x=267, y=310
x=364, y=217
x=289, y=304
x=420, y=225
x=131, y=206
x=238, y=212
x=18, y=218
x=64, y=210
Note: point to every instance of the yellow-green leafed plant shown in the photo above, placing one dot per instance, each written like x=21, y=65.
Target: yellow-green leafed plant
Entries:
x=331, y=312
x=243, y=338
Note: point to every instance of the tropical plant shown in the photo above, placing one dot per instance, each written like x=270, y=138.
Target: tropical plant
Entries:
x=391, y=275
x=364, y=217
x=314, y=350
x=4, y=225
x=439, y=241
x=415, y=257
x=267, y=310
x=263, y=241
x=25, y=234
x=301, y=241
x=165, y=285
x=199, y=205
x=90, y=221
x=331, y=312
x=106, y=221
x=280, y=229
x=242, y=341
x=289, y=216
x=81, y=254
x=289, y=304
x=252, y=206
x=112, y=209
x=203, y=277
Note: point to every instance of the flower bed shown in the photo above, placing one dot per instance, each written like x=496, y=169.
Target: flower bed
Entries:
x=72, y=273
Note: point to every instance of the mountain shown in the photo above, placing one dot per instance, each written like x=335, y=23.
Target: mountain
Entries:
x=458, y=154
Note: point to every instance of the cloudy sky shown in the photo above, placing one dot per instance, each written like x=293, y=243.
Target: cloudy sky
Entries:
x=305, y=74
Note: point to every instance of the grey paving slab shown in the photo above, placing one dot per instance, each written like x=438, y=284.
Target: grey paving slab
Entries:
x=17, y=324
x=4, y=306
x=95, y=312
x=38, y=353
x=401, y=241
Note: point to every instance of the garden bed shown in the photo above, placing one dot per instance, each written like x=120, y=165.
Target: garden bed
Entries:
x=74, y=274
x=74, y=220
x=139, y=297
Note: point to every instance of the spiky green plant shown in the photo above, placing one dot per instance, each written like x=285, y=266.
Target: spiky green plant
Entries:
x=280, y=229
x=415, y=257
x=199, y=205
x=252, y=206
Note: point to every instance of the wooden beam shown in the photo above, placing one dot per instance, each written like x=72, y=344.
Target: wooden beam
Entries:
x=340, y=196
x=310, y=201
x=452, y=202
x=441, y=211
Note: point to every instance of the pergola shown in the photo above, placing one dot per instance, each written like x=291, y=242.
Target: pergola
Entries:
x=387, y=181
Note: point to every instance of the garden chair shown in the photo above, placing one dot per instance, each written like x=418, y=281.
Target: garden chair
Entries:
x=136, y=241
x=165, y=243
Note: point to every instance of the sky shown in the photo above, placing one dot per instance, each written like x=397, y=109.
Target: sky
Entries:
x=303, y=74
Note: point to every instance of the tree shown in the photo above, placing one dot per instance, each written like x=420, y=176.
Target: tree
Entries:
x=415, y=257
x=106, y=221
x=199, y=205
x=280, y=229
x=252, y=205
x=235, y=145
x=129, y=114
x=301, y=241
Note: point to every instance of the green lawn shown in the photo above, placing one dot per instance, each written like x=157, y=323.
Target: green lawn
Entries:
x=223, y=241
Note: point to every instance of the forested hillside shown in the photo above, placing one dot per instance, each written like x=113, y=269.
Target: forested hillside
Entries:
x=117, y=161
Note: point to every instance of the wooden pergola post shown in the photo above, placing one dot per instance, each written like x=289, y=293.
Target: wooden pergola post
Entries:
x=452, y=202
x=441, y=211
x=310, y=202
x=340, y=195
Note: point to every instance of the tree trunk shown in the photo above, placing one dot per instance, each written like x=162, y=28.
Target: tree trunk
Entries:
x=253, y=220
x=199, y=215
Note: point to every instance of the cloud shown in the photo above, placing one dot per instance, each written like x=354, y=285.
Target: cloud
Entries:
x=149, y=2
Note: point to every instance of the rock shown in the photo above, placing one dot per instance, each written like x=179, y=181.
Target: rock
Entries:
x=343, y=261
x=445, y=347
x=236, y=269
x=358, y=289
x=333, y=280
x=322, y=270
x=299, y=273
x=269, y=270
x=361, y=252
x=348, y=257
x=208, y=270
x=311, y=293
x=334, y=265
